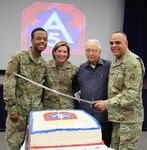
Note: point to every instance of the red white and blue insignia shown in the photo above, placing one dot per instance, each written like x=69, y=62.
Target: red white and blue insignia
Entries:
x=59, y=116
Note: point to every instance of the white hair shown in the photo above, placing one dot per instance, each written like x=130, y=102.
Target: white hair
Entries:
x=94, y=40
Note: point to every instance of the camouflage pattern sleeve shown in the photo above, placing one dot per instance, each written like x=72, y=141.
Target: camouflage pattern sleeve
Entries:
x=59, y=79
x=125, y=92
x=10, y=81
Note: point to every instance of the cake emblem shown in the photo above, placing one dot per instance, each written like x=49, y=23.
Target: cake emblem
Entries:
x=51, y=116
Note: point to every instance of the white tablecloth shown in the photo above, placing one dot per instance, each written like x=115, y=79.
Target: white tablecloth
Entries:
x=98, y=147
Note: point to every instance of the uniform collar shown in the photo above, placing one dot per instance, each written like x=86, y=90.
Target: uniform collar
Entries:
x=100, y=62
x=120, y=60
x=65, y=65
x=40, y=59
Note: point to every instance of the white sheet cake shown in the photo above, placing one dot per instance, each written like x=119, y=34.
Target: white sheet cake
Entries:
x=63, y=128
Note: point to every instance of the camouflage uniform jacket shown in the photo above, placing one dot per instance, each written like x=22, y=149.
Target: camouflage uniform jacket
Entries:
x=20, y=95
x=59, y=78
x=125, y=89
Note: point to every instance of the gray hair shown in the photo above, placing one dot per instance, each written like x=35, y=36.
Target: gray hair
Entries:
x=93, y=40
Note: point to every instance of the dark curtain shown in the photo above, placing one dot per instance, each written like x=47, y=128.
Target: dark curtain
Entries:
x=135, y=27
x=3, y=112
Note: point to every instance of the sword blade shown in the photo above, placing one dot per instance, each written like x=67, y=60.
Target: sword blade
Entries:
x=49, y=89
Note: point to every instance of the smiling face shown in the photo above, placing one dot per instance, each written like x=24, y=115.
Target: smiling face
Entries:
x=39, y=42
x=61, y=55
x=118, y=44
x=61, y=52
x=93, y=52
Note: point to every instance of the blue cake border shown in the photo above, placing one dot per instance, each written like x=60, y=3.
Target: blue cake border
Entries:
x=54, y=130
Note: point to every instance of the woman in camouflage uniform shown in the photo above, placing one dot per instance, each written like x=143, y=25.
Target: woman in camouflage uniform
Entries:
x=59, y=76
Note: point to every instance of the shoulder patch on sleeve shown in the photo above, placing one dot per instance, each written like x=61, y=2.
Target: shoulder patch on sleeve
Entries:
x=132, y=76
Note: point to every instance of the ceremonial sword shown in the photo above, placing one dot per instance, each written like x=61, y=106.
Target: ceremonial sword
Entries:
x=49, y=89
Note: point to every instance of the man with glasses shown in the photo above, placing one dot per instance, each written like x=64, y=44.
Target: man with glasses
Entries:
x=91, y=82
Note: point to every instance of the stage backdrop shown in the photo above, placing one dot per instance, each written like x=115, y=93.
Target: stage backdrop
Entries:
x=73, y=21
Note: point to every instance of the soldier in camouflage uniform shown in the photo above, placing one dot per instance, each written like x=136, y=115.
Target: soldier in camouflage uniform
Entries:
x=59, y=76
x=124, y=104
x=21, y=96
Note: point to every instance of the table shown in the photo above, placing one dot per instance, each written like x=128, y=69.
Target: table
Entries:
x=98, y=147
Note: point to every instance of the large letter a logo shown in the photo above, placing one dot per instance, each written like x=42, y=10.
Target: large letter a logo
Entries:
x=54, y=25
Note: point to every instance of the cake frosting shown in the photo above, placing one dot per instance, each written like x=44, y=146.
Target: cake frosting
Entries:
x=63, y=128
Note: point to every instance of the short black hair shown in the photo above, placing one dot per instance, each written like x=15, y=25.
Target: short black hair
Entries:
x=35, y=30
x=123, y=33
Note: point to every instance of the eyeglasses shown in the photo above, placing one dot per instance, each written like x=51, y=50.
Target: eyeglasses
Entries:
x=91, y=50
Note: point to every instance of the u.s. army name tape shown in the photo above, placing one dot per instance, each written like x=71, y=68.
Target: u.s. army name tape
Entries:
x=57, y=92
